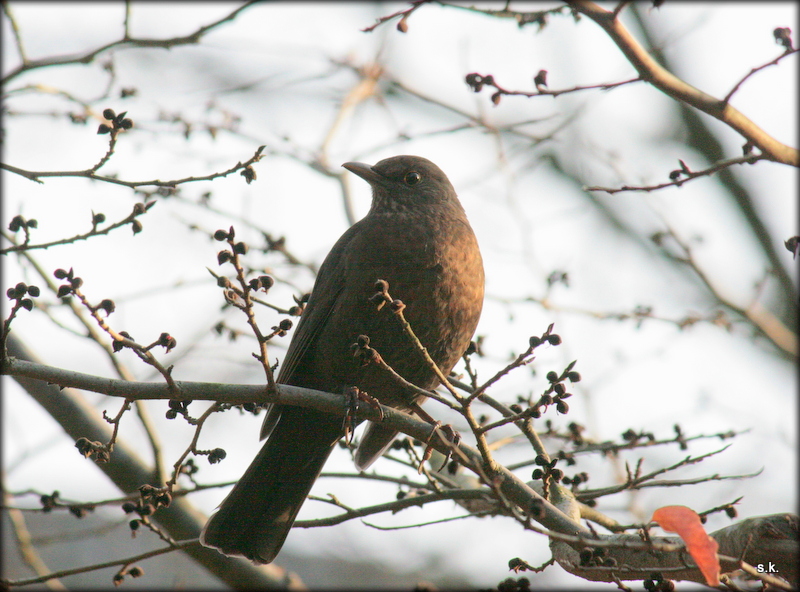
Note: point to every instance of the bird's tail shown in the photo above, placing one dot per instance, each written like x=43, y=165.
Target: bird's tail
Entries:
x=255, y=518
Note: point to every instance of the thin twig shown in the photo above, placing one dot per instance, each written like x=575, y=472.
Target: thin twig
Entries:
x=88, y=57
x=89, y=174
x=757, y=69
x=685, y=176
x=114, y=562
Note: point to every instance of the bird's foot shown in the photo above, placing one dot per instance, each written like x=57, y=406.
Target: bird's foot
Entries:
x=447, y=434
x=353, y=396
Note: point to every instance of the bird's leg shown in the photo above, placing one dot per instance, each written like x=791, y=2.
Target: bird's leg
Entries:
x=354, y=395
x=445, y=431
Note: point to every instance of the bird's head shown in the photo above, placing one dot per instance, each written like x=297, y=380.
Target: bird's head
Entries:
x=403, y=183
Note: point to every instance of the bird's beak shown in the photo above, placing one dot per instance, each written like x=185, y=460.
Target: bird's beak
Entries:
x=366, y=172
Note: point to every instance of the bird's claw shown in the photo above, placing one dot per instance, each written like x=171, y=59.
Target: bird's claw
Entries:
x=354, y=395
x=446, y=433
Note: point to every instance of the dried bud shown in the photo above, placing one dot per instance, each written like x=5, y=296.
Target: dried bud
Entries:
x=540, y=79
x=554, y=339
x=103, y=129
x=109, y=114
x=220, y=235
x=16, y=223
x=167, y=341
x=107, y=305
x=249, y=174
x=216, y=455
x=402, y=24
x=496, y=97
x=475, y=81
x=118, y=119
x=136, y=571
x=783, y=36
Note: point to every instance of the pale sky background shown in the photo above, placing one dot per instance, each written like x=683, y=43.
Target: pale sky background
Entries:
x=274, y=66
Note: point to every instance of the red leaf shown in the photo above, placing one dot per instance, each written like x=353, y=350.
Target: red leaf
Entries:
x=703, y=549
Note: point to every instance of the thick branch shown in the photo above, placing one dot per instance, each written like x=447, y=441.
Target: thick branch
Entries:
x=127, y=471
x=511, y=486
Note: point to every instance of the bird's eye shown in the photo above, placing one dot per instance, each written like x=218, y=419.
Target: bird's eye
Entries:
x=412, y=178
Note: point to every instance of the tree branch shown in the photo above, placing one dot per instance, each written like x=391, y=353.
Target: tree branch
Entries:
x=127, y=471
x=650, y=71
x=88, y=57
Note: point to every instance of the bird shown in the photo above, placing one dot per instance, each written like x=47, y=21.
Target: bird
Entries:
x=416, y=237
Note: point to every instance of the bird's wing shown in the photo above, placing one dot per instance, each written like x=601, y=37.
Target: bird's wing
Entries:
x=319, y=307
x=313, y=320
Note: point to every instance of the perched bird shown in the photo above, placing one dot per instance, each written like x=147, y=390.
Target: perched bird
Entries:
x=417, y=238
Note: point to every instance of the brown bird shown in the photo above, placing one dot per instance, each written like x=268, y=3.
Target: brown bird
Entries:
x=417, y=238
